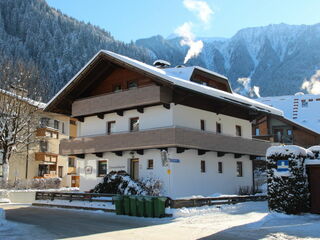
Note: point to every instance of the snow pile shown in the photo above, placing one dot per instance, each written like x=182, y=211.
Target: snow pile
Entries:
x=315, y=150
x=105, y=205
x=287, y=180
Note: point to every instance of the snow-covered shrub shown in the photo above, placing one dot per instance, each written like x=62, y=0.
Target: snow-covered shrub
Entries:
x=288, y=191
x=121, y=183
x=153, y=186
x=316, y=151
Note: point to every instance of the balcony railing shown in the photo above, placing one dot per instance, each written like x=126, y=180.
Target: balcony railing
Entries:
x=164, y=137
x=46, y=157
x=144, y=96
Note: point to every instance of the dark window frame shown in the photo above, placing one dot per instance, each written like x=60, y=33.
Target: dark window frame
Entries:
x=238, y=131
x=73, y=160
x=60, y=171
x=239, y=169
x=202, y=124
x=203, y=166
x=132, y=82
x=109, y=123
x=218, y=127
x=115, y=86
x=100, y=170
x=131, y=122
x=150, y=164
x=220, y=167
x=56, y=124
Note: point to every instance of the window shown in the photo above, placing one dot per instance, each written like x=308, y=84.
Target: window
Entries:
x=289, y=132
x=71, y=162
x=203, y=166
x=238, y=131
x=220, y=167
x=117, y=88
x=56, y=124
x=134, y=124
x=43, y=169
x=257, y=132
x=132, y=85
x=73, y=122
x=304, y=104
x=44, y=122
x=60, y=171
x=218, y=127
x=43, y=146
x=202, y=124
x=239, y=169
x=1, y=170
x=110, y=127
x=63, y=129
x=150, y=164
x=102, y=168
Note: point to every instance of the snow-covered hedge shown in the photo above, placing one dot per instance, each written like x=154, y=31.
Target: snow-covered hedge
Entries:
x=121, y=183
x=288, y=191
x=315, y=150
x=37, y=183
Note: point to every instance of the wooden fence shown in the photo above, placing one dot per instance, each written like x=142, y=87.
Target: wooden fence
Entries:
x=90, y=197
x=198, y=202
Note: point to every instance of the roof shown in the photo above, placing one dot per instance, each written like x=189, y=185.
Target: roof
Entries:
x=307, y=115
x=176, y=77
x=30, y=101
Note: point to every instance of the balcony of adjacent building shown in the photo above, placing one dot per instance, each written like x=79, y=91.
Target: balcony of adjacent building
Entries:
x=174, y=136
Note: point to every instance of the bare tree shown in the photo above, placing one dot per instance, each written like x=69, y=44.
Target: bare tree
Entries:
x=18, y=113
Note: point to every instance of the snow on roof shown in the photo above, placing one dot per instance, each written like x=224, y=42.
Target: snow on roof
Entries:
x=301, y=109
x=288, y=150
x=25, y=99
x=180, y=77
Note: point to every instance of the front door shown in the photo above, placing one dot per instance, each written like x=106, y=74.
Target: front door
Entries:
x=134, y=168
x=314, y=181
x=277, y=134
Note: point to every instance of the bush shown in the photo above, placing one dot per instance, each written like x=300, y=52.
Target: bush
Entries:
x=37, y=183
x=121, y=183
x=288, y=193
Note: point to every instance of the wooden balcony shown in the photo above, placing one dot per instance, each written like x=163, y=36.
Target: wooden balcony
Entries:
x=46, y=157
x=144, y=96
x=164, y=137
x=47, y=132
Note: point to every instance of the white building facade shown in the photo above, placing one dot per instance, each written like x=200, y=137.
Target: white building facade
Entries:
x=133, y=113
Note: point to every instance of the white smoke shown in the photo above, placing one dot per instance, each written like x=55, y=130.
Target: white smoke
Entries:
x=246, y=89
x=203, y=12
x=201, y=8
x=313, y=85
x=195, y=47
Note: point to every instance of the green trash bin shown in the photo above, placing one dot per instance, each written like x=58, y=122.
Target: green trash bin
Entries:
x=126, y=203
x=140, y=206
x=148, y=206
x=159, y=206
x=133, y=205
x=118, y=201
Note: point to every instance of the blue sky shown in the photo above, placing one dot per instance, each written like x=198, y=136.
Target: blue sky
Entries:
x=133, y=19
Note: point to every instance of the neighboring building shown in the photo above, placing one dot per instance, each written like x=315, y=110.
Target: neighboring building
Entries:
x=130, y=112
x=303, y=109
x=284, y=131
x=41, y=158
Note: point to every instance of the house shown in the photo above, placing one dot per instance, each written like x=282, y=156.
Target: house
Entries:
x=303, y=109
x=183, y=126
x=40, y=158
x=285, y=131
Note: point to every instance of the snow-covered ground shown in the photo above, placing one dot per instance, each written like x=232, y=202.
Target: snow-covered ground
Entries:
x=63, y=189
x=249, y=220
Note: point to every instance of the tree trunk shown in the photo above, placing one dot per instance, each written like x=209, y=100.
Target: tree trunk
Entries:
x=5, y=172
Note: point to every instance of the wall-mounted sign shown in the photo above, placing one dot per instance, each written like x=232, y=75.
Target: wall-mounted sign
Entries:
x=282, y=165
x=173, y=160
x=88, y=170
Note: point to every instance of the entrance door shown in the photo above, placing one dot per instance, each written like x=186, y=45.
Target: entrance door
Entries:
x=277, y=134
x=314, y=181
x=134, y=171
x=75, y=181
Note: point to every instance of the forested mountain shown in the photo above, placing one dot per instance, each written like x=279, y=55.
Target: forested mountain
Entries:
x=58, y=45
x=277, y=57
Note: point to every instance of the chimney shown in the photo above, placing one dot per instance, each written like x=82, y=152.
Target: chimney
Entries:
x=161, y=63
